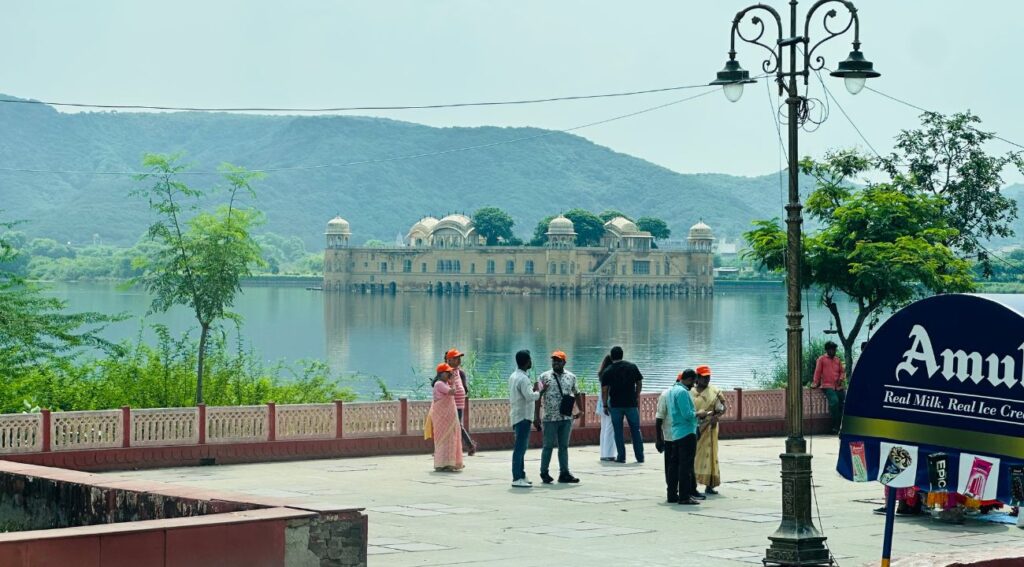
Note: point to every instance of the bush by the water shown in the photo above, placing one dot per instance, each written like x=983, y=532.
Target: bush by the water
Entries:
x=163, y=375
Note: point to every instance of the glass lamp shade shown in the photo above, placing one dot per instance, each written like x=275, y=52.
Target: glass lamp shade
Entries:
x=733, y=91
x=854, y=84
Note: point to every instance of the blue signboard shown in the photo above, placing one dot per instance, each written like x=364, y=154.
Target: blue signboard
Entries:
x=944, y=375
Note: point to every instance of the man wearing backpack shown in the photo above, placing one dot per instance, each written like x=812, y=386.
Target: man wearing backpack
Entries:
x=562, y=404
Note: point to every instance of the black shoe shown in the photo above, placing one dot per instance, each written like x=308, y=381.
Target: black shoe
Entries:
x=546, y=478
x=689, y=502
x=710, y=491
x=620, y=460
x=698, y=496
x=568, y=478
x=640, y=461
x=672, y=499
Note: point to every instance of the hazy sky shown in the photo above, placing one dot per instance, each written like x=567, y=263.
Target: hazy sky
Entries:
x=943, y=55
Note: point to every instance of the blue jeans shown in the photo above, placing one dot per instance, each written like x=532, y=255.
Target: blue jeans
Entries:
x=522, y=433
x=556, y=433
x=632, y=416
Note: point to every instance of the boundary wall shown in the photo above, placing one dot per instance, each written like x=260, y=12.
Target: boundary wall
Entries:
x=151, y=438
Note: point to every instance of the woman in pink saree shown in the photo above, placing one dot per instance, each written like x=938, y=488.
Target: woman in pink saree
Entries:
x=444, y=419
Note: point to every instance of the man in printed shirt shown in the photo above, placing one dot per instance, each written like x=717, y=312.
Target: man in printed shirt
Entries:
x=830, y=376
x=555, y=385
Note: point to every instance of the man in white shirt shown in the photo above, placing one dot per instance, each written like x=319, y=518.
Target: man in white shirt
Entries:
x=521, y=394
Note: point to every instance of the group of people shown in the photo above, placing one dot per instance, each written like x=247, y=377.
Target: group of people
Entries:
x=686, y=426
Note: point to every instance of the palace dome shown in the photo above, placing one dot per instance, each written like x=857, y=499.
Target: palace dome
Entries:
x=701, y=231
x=424, y=225
x=622, y=225
x=338, y=225
x=561, y=225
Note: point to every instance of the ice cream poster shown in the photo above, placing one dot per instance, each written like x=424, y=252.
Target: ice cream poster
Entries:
x=979, y=476
x=898, y=465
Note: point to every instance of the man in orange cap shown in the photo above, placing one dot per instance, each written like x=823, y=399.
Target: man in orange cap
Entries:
x=454, y=359
x=559, y=396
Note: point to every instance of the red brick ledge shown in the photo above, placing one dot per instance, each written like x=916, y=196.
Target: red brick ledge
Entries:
x=999, y=557
x=120, y=528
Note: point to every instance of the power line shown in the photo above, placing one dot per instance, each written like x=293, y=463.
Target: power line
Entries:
x=347, y=108
x=829, y=94
x=387, y=159
x=916, y=107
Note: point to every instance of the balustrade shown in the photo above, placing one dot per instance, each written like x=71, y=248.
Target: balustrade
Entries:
x=21, y=433
x=164, y=426
x=76, y=430
x=237, y=424
x=305, y=421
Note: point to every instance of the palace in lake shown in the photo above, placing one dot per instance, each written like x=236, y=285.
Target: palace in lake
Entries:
x=450, y=256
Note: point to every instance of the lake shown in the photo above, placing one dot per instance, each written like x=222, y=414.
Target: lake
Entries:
x=739, y=333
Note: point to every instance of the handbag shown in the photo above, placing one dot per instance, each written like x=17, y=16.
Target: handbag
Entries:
x=565, y=408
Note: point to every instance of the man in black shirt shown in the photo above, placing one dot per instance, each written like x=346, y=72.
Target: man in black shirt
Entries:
x=621, y=384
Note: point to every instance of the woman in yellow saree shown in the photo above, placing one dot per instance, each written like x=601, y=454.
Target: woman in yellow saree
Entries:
x=444, y=422
x=710, y=404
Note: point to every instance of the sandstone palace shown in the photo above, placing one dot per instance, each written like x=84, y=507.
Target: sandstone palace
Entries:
x=449, y=256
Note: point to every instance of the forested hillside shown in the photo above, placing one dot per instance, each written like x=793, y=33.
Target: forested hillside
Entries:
x=529, y=179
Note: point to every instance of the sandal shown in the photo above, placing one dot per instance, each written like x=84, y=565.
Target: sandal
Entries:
x=472, y=449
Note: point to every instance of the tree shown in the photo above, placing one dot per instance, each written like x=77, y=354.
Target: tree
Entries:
x=946, y=158
x=589, y=227
x=199, y=261
x=493, y=223
x=879, y=246
x=540, y=236
x=657, y=227
x=609, y=214
x=34, y=327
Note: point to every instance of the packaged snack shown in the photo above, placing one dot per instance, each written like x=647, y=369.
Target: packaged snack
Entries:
x=1016, y=485
x=859, y=461
x=899, y=460
x=980, y=469
x=938, y=479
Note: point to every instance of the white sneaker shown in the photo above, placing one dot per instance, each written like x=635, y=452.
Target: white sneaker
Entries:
x=522, y=483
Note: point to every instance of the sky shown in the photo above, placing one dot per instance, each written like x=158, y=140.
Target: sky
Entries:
x=942, y=55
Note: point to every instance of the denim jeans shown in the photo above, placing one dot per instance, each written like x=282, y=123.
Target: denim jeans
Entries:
x=522, y=436
x=836, y=400
x=632, y=416
x=556, y=433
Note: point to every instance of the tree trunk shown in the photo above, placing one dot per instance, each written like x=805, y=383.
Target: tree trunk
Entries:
x=203, y=335
x=848, y=355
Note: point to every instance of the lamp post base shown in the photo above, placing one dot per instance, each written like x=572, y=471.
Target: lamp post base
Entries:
x=797, y=542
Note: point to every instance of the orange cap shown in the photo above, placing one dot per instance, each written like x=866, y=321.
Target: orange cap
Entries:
x=559, y=354
x=703, y=370
x=443, y=367
x=453, y=353
x=679, y=377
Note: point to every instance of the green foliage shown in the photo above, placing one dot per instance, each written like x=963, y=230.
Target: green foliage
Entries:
x=200, y=261
x=34, y=328
x=609, y=214
x=375, y=243
x=657, y=227
x=589, y=227
x=163, y=375
x=540, y=236
x=946, y=158
x=493, y=224
x=878, y=246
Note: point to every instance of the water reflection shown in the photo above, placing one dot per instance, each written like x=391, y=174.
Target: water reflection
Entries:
x=401, y=337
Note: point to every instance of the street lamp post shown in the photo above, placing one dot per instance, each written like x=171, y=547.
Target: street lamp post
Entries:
x=796, y=541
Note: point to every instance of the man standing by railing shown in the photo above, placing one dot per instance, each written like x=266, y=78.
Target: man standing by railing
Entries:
x=621, y=384
x=521, y=396
x=829, y=375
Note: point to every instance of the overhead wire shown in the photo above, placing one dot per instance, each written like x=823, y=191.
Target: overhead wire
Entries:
x=543, y=134
x=102, y=106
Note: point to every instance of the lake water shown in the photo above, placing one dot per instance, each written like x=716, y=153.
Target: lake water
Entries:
x=401, y=338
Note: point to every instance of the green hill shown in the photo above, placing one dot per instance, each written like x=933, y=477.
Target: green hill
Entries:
x=529, y=179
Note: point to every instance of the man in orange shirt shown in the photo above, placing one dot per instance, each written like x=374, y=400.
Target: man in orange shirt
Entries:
x=830, y=376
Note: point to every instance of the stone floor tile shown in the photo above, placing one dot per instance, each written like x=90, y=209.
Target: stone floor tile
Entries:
x=415, y=546
x=375, y=550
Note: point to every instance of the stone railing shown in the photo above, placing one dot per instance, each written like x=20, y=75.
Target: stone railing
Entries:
x=88, y=430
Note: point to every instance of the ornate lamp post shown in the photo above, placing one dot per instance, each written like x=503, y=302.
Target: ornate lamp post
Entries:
x=796, y=541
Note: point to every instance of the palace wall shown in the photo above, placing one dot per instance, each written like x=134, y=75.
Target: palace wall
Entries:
x=533, y=270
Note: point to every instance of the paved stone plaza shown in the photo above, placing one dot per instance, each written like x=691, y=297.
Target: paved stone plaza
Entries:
x=616, y=516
